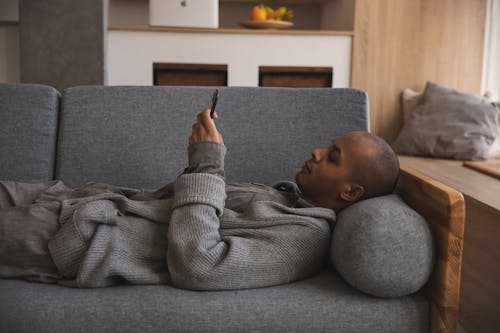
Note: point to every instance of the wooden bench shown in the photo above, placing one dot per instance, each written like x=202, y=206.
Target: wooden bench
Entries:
x=480, y=290
x=444, y=210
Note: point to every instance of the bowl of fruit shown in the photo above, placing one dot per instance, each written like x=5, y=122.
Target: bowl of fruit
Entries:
x=264, y=17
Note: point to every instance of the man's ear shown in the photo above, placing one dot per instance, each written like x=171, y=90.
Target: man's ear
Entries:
x=352, y=193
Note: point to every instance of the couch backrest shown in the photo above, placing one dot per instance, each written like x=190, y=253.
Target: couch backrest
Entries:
x=137, y=136
x=28, y=127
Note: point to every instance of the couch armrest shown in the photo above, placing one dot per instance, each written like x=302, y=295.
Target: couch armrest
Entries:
x=444, y=210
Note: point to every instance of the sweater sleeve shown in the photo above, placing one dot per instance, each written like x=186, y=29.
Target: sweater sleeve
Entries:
x=206, y=157
x=200, y=258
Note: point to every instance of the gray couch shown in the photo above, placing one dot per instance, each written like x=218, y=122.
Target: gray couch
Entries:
x=137, y=137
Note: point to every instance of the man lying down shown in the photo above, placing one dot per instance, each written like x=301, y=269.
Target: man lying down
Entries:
x=197, y=232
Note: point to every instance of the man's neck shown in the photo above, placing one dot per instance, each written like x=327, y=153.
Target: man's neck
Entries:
x=317, y=203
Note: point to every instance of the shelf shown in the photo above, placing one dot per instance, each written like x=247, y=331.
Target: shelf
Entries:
x=232, y=31
x=272, y=2
x=312, y=17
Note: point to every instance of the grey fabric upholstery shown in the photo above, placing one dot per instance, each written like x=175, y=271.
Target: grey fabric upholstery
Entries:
x=323, y=303
x=28, y=118
x=137, y=137
x=383, y=247
x=142, y=132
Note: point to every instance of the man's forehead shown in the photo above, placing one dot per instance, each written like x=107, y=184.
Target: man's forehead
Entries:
x=344, y=139
x=352, y=142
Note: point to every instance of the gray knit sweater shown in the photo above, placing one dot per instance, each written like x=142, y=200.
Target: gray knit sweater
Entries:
x=196, y=233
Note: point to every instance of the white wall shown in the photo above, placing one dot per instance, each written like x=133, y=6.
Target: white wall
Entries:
x=491, y=70
x=131, y=54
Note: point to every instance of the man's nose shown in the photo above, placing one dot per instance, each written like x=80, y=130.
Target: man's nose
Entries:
x=317, y=154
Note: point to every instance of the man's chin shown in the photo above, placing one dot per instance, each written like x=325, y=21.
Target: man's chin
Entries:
x=297, y=176
x=298, y=179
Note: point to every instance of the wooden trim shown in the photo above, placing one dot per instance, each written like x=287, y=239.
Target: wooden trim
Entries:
x=293, y=69
x=189, y=67
x=444, y=210
x=145, y=28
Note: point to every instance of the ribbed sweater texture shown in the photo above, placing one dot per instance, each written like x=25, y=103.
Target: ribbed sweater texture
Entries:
x=196, y=233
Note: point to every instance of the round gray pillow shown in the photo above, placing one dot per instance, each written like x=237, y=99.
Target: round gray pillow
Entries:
x=383, y=247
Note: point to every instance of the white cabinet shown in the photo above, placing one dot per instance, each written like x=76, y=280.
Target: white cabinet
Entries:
x=133, y=46
x=131, y=53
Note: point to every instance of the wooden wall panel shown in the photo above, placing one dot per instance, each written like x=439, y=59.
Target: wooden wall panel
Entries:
x=401, y=44
x=452, y=41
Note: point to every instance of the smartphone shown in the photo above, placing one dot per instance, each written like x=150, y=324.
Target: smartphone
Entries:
x=214, y=102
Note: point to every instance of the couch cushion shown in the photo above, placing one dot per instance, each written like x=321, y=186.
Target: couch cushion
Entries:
x=383, y=247
x=141, y=133
x=323, y=303
x=28, y=118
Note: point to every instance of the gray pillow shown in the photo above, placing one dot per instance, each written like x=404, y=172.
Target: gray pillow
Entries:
x=382, y=247
x=447, y=123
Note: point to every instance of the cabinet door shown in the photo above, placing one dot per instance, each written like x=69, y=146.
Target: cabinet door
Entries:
x=177, y=74
x=295, y=77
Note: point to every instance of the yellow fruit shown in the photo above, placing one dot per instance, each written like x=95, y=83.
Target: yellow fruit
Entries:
x=269, y=12
x=258, y=13
x=279, y=13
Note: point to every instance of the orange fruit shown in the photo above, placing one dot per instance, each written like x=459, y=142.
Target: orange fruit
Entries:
x=258, y=13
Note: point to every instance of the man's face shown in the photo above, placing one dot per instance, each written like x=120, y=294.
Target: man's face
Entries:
x=328, y=172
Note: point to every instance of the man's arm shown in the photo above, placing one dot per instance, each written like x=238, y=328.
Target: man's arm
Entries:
x=199, y=201
x=200, y=258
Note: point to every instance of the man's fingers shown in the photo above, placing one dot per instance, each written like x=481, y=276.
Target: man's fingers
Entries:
x=205, y=129
x=205, y=120
x=203, y=116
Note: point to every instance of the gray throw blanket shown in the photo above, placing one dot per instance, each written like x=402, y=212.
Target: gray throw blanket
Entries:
x=196, y=233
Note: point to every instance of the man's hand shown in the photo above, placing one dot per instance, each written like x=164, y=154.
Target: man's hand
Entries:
x=204, y=130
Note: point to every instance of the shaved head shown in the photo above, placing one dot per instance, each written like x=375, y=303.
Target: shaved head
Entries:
x=378, y=169
x=356, y=166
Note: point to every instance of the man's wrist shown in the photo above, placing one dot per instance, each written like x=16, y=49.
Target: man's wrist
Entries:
x=206, y=157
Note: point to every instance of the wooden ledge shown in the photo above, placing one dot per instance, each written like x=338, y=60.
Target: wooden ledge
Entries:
x=292, y=32
x=473, y=184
